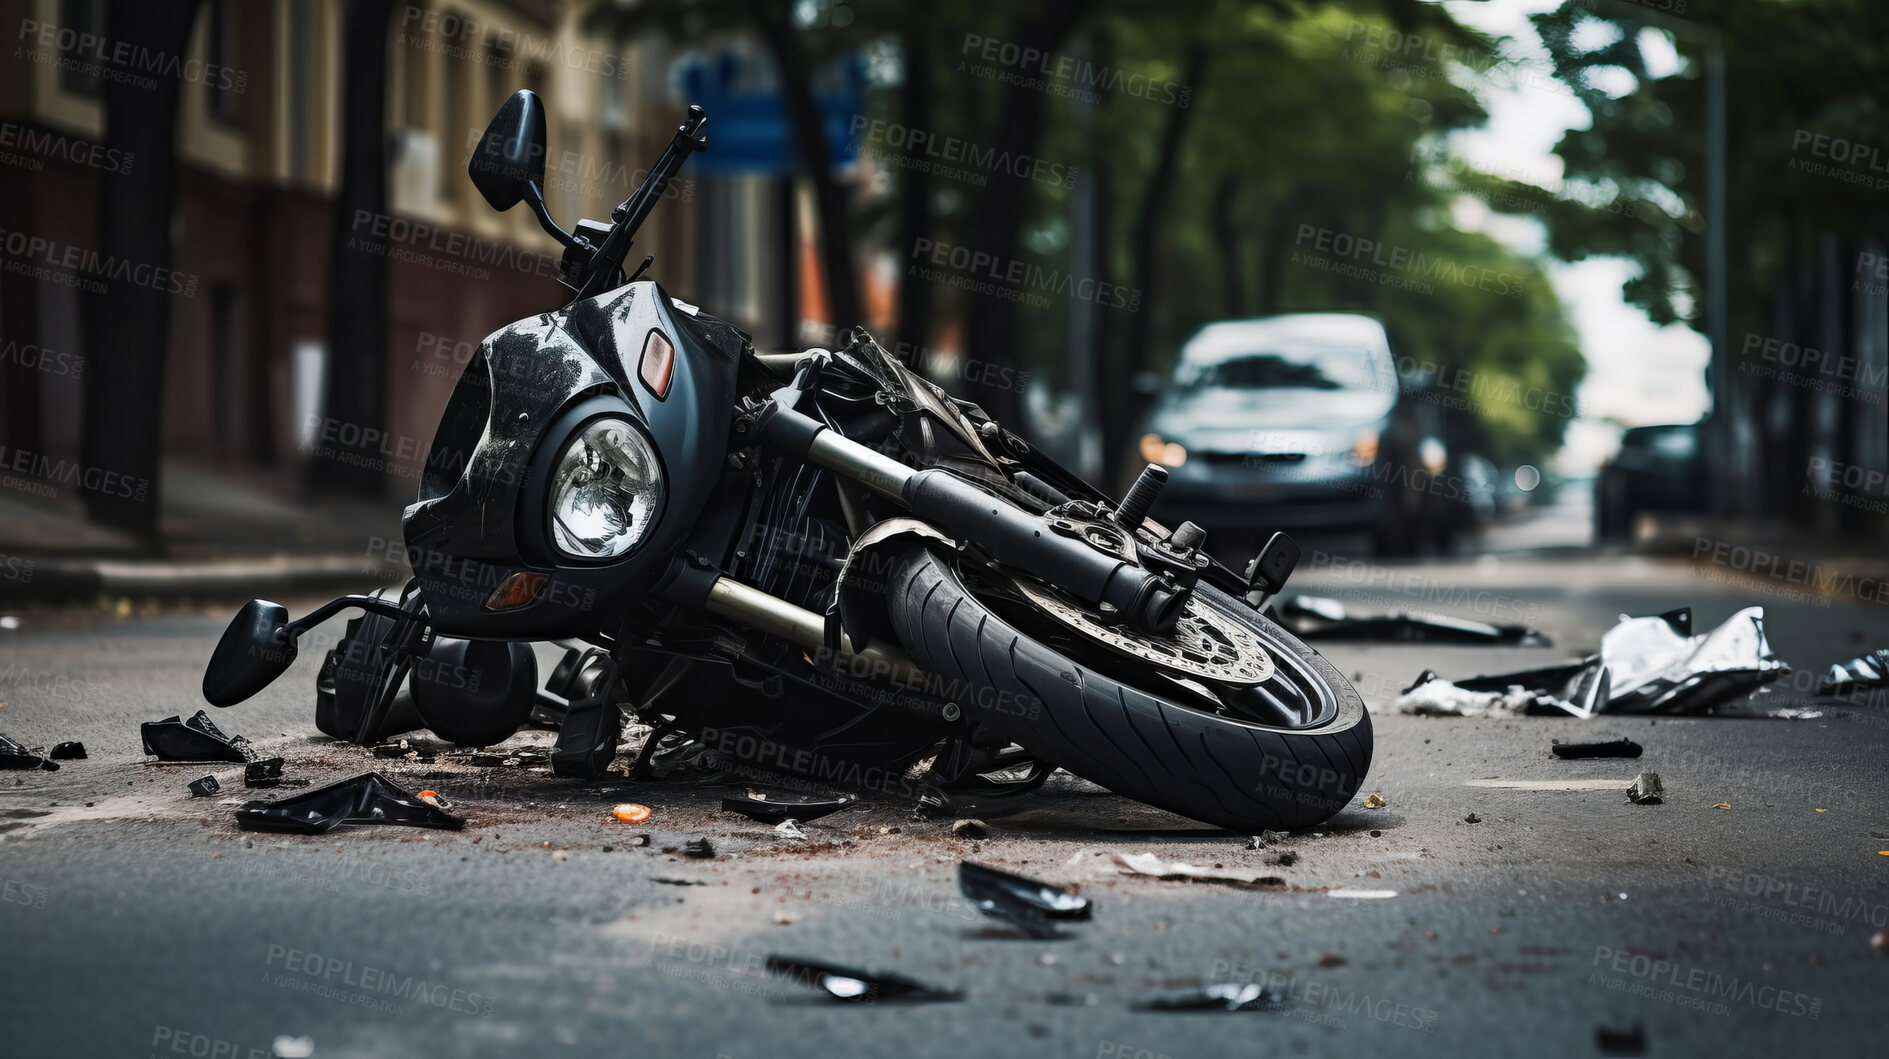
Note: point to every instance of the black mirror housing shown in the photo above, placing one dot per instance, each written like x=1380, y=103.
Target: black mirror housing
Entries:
x=510, y=155
x=254, y=650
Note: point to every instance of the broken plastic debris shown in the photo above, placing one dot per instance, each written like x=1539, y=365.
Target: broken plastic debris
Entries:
x=1149, y=864
x=1646, y=790
x=1320, y=618
x=198, y=739
x=1221, y=996
x=1375, y=802
x=1645, y=665
x=1472, y=818
x=1868, y=671
x=970, y=828
x=769, y=811
x=15, y=756
x=699, y=848
x=369, y=798
x=853, y=986
x=1031, y=906
x=789, y=828
x=631, y=813
x=265, y=773
x=1266, y=838
x=1610, y=748
x=1362, y=895
x=67, y=752
x=204, y=787
x=1722, y=805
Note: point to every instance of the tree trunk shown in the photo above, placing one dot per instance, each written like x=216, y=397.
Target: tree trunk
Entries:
x=1226, y=236
x=348, y=454
x=996, y=228
x=803, y=118
x=129, y=322
x=914, y=332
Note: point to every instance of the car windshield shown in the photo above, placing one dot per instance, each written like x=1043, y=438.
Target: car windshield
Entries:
x=1300, y=368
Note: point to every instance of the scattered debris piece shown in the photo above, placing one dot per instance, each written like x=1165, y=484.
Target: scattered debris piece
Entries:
x=198, y=739
x=266, y=773
x=1149, y=864
x=433, y=799
x=1286, y=858
x=670, y=881
x=1362, y=895
x=968, y=828
x=1722, y=805
x=789, y=828
x=1645, y=665
x=758, y=807
x=852, y=986
x=1375, y=802
x=205, y=787
x=1621, y=1040
x=1322, y=618
x=1472, y=818
x=1030, y=906
x=1266, y=838
x=1646, y=790
x=1795, y=713
x=1610, y=748
x=369, y=798
x=631, y=813
x=67, y=752
x=1868, y=671
x=403, y=750
x=782, y=919
x=15, y=756
x=640, y=840
x=1222, y=996
x=287, y=1047
x=699, y=848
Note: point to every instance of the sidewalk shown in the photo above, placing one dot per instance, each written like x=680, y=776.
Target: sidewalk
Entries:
x=227, y=532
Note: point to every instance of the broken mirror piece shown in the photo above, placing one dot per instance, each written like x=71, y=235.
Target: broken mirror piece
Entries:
x=369, y=798
x=265, y=773
x=1857, y=674
x=854, y=986
x=767, y=810
x=1646, y=790
x=197, y=739
x=1609, y=748
x=1221, y=996
x=1321, y=618
x=15, y=756
x=72, y=751
x=1030, y=906
x=204, y=787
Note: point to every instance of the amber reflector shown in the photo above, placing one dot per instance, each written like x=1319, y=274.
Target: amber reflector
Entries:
x=515, y=591
x=659, y=364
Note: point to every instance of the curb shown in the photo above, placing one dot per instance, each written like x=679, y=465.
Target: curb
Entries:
x=68, y=580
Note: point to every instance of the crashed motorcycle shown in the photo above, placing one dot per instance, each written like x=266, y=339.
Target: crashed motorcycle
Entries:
x=816, y=566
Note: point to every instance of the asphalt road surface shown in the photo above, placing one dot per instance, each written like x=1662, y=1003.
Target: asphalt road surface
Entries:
x=139, y=921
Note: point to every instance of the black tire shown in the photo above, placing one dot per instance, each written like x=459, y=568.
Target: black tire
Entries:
x=1232, y=773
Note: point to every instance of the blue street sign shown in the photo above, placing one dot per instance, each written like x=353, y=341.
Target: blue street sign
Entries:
x=748, y=131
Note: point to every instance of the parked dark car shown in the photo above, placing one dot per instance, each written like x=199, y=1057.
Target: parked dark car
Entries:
x=1296, y=422
x=1657, y=469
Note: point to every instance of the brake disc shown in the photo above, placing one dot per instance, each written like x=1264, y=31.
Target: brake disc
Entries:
x=1206, y=643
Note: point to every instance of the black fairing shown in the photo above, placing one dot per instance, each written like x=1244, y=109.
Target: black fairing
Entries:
x=468, y=532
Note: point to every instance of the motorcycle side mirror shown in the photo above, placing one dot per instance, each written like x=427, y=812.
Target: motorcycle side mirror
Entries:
x=508, y=163
x=255, y=649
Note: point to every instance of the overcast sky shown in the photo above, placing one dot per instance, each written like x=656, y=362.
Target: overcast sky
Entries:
x=1637, y=373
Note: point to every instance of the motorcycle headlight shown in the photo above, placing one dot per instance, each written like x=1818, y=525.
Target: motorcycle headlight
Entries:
x=605, y=490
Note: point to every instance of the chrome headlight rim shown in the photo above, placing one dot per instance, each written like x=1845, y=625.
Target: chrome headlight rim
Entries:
x=538, y=519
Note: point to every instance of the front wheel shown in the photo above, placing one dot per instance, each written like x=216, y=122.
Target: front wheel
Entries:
x=1245, y=730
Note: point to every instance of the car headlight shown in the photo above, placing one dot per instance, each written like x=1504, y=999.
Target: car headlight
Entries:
x=1156, y=449
x=605, y=490
x=1364, y=447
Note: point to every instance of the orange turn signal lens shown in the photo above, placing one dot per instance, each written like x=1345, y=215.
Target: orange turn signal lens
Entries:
x=515, y=591
x=658, y=365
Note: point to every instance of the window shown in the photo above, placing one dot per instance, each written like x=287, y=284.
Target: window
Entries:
x=79, y=20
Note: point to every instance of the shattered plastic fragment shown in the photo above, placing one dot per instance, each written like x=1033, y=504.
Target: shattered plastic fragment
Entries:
x=198, y=739
x=970, y=828
x=1375, y=802
x=1221, y=997
x=266, y=773
x=768, y=811
x=369, y=798
x=67, y=752
x=204, y=787
x=789, y=828
x=1031, y=906
x=1149, y=864
x=1611, y=748
x=699, y=848
x=631, y=813
x=852, y=986
x=1646, y=790
x=1320, y=618
x=15, y=756
x=1868, y=671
